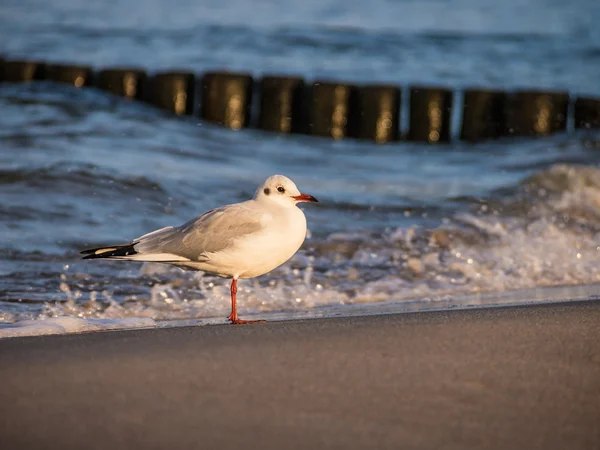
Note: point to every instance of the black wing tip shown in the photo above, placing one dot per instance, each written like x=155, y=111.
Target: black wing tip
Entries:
x=90, y=255
x=109, y=252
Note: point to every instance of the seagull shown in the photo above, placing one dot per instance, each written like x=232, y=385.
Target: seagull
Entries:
x=241, y=240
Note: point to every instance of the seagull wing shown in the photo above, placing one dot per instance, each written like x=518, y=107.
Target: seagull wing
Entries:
x=212, y=232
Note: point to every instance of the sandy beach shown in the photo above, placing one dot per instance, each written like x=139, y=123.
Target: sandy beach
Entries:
x=494, y=378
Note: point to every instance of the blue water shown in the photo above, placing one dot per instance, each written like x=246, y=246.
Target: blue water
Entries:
x=400, y=222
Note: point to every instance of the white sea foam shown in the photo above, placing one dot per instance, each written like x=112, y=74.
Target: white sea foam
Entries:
x=64, y=325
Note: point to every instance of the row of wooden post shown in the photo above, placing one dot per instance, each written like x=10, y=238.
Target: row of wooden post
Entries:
x=325, y=108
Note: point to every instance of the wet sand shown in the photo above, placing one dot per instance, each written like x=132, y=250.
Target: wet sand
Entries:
x=525, y=377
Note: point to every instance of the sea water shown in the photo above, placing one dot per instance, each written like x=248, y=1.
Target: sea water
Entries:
x=398, y=226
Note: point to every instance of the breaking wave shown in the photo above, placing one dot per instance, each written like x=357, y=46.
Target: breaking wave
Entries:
x=546, y=233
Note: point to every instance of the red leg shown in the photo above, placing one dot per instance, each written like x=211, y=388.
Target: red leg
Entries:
x=234, y=316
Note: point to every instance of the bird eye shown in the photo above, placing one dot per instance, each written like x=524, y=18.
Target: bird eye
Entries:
x=280, y=189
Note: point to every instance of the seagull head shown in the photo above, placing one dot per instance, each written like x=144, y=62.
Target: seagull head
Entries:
x=281, y=190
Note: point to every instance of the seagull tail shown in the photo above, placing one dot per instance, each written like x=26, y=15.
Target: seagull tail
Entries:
x=116, y=252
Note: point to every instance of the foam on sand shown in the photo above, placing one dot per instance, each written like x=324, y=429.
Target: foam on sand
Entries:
x=63, y=325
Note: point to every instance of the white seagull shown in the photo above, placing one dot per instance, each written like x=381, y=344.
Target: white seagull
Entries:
x=242, y=240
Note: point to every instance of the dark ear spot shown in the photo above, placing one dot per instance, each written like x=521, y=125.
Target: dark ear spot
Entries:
x=267, y=191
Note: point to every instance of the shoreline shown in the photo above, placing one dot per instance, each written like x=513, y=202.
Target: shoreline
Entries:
x=489, y=378
x=522, y=297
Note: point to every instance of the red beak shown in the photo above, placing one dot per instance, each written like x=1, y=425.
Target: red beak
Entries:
x=305, y=198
